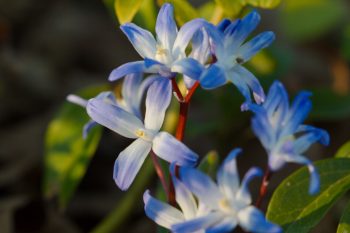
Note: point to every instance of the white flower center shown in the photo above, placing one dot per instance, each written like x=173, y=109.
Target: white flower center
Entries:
x=225, y=206
x=163, y=55
x=145, y=135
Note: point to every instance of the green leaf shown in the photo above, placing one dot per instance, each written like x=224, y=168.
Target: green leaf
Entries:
x=344, y=224
x=329, y=105
x=209, y=163
x=67, y=154
x=304, y=20
x=126, y=9
x=344, y=151
x=345, y=43
x=267, y=4
x=294, y=209
x=231, y=7
x=184, y=11
x=146, y=16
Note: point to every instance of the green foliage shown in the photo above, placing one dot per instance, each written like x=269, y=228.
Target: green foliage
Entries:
x=209, y=163
x=329, y=105
x=345, y=43
x=303, y=20
x=231, y=7
x=294, y=209
x=126, y=9
x=147, y=14
x=344, y=224
x=267, y=4
x=344, y=151
x=67, y=154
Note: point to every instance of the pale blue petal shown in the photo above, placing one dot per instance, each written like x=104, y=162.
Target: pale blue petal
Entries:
x=185, y=34
x=303, y=143
x=202, y=186
x=183, y=196
x=145, y=84
x=324, y=139
x=114, y=118
x=107, y=97
x=129, y=162
x=227, y=176
x=188, y=82
x=154, y=66
x=243, y=195
x=157, y=101
x=189, y=67
x=166, y=27
x=163, y=214
x=172, y=150
x=197, y=223
x=253, y=220
x=213, y=77
x=77, y=100
x=130, y=87
x=261, y=41
x=251, y=81
x=142, y=40
x=88, y=127
x=216, y=40
x=225, y=225
x=127, y=68
x=200, y=46
x=241, y=85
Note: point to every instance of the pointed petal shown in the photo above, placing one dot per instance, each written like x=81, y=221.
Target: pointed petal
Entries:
x=261, y=41
x=251, y=81
x=197, y=223
x=189, y=67
x=163, y=214
x=157, y=101
x=303, y=143
x=77, y=100
x=227, y=176
x=213, y=77
x=183, y=196
x=87, y=128
x=202, y=186
x=129, y=162
x=154, y=66
x=114, y=118
x=127, y=68
x=243, y=194
x=131, y=86
x=241, y=85
x=166, y=27
x=225, y=225
x=324, y=139
x=253, y=220
x=142, y=40
x=223, y=24
x=185, y=34
x=200, y=46
x=145, y=84
x=172, y=150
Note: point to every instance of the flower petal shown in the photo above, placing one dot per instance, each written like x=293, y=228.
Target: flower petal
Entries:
x=313, y=135
x=197, y=223
x=183, y=196
x=114, y=118
x=131, y=86
x=227, y=176
x=241, y=85
x=185, y=34
x=213, y=77
x=127, y=68
x=172, y=150
x=166, y=27
x=142, y=40
x=129, y=162
x=163, y=214
x=261, y=41
x=223, y=24
x=225, y=225
x=243, y=195
x=189, y=67
x=87, y=128
x=253, y=220
x=202, y=186
x=77, y=100
x=157, y=101
x=154, y=66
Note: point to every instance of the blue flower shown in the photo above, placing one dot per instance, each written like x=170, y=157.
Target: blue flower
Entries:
x=132, y=92
x=231, y=51
x=229, y=201
x=146, y=133
x=166, y=215
x=162, y=53
x=280, y=129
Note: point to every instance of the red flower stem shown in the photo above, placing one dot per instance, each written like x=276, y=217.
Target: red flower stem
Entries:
x=263, y=187
x=159, y=171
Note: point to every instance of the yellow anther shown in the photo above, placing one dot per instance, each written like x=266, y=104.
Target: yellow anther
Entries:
x=224, y=205
x=140, y=133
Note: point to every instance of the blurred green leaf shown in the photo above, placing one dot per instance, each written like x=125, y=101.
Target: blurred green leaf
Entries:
x=344, y=151
x=67, y=154
x=345, y=44
x=267, y=4
x=294, y=209
x=126, y=9
x=146, y=16
x=209, y=163
x=329, y=105
x=184, y=11
x=231, y=7
x=303, y=20
x=344, y=224
x=206, y=10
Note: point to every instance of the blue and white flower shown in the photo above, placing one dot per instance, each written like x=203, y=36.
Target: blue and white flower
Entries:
x=166, y=215
x=228, y=200
x=281, y=131
x=162, y=53
x=147, y=133
x=231, y=52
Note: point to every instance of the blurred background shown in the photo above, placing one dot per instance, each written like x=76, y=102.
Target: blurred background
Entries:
x=51, y=180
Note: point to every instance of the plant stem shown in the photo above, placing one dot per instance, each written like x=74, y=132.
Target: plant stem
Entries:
x=159, y=171
x=263, y=187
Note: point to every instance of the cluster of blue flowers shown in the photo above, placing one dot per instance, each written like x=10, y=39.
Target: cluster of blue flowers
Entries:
x=217, y=53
